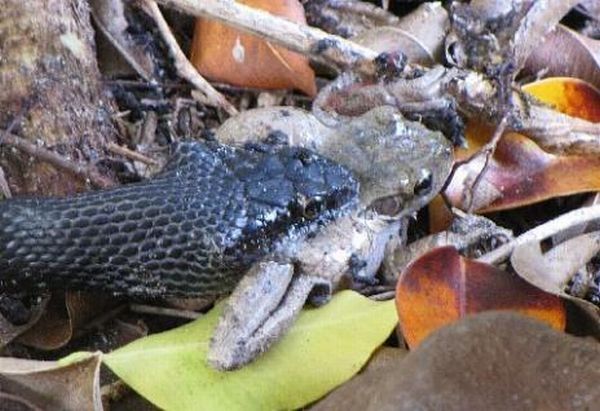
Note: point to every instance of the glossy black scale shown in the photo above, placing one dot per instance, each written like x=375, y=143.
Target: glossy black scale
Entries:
x=192, y=230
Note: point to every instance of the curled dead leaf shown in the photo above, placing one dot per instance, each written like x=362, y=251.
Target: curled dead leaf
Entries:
x=441, y=287
x=224, y=54
x=567, y=53
x=10, y=331
x=553, y=270
x=51, y=385
x=521, y=172
x=62, y=318
x=419, y=35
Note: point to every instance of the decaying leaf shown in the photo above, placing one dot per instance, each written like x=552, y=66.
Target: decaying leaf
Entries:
x=520, y=172
x=566, y=53
x=441, y=287
x=490, y=361
x=224, y=54
x=553, y=270
x=325, y=347
x=53, y=386
x=487, y=34
x=63, y=316
x=10, y=331
x=419, y=35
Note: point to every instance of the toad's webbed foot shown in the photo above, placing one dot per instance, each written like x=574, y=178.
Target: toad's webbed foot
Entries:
x=261, y=309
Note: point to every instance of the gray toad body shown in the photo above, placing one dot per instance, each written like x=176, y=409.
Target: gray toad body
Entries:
x=192, y=230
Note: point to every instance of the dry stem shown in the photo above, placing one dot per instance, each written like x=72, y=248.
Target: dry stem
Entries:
x=183, y=66
x=319, y=45
x=566, y=221
x=58, y=161
x=132, y=155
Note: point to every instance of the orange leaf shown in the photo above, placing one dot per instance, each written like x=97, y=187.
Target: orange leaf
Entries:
x=520, y=172
x=224, y=54
x=441, y=287
x=568, y=95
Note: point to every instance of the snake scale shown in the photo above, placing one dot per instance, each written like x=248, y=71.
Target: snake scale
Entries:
x=191, y=230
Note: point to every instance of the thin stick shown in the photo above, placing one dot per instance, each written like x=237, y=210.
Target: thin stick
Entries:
x=132, y=155
x=172, y=312
x=183, y=66
x=4, y=187
x=141, y=71
x=319, y=45
x=58, y=161
x=571, y=219
x=488, y=151
x=384, y=296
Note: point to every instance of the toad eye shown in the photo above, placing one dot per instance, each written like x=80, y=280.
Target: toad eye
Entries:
x=313, y=208
x=424, y=184
x=389, y=206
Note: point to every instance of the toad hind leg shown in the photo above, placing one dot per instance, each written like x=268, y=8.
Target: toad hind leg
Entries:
x=260, y=310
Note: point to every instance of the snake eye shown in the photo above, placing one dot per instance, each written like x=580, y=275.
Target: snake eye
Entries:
x=424, y=184
x=389, y=206
x=313, y=208
x=305, y=157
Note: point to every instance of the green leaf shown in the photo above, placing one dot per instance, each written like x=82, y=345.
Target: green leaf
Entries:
x=323, y=349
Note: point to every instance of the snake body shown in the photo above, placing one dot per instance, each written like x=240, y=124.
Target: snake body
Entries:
x=192, y=230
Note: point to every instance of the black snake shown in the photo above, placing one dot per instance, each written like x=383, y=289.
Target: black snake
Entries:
x=192, y=230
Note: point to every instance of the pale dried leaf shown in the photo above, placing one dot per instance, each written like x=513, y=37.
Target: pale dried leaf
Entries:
x=551, y=271
x=63, y=316
x=52, y=385
x=9, y=331
x=566, y=53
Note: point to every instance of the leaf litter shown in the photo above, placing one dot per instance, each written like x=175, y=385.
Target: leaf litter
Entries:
x=544, y=156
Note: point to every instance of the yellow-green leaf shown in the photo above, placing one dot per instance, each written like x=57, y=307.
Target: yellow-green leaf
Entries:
x=324, y=348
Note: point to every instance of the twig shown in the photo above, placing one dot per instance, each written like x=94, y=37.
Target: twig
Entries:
x=98, y=321
x=487, y=151
x=4, y=187
x=172, y=312
x=132, y=155
x=58, y=161
x=183, y=66
x=319, y=45
x=384, y=296
x=138, y=68
x=566, y=221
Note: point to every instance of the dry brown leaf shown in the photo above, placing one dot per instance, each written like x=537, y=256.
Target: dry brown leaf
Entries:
x=419, y=35
x=490, y=361
x=10, y=331
x=520, y=172
x=48, y=385
x=343, y=398
x=552, y=271
x=441, y=287
x=566, y=53
x=62, y=318
x=224, y=54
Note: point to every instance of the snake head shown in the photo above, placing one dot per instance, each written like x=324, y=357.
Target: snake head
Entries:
x=294, y=187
